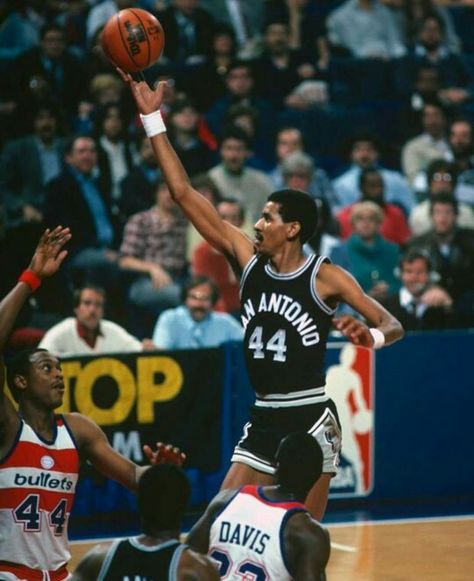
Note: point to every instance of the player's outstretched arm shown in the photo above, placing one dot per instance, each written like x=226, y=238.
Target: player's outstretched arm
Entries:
x=224, y=237
x=46, y=260
x=336, y=284
x=95, y=447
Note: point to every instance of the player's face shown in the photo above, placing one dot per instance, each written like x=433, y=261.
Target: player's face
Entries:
x=199, y=301
x=271, y=233
x=90, y=310
x=415, y=276
x=45, y=384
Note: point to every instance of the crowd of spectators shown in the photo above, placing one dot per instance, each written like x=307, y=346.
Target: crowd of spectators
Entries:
x=368, y=105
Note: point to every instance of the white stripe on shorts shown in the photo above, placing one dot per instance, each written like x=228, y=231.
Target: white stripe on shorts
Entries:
x=293, y=399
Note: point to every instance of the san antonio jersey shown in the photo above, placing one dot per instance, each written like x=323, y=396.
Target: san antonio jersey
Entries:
x=286, y=326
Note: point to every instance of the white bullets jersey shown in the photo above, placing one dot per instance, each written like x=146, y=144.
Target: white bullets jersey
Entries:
x=247, y=537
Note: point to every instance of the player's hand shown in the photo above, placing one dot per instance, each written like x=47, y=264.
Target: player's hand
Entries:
x=356, y=331
x=49, y=253
x=164, y=454
x=148, y=100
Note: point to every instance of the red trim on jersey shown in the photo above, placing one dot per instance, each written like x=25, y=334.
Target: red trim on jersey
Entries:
x=28, y=454
x=13, y=497
x=23, y=572
x=253, y=490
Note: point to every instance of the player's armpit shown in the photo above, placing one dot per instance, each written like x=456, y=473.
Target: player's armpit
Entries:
x=196, y=567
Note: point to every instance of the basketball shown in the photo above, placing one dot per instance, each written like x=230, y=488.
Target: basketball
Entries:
x=133, y=39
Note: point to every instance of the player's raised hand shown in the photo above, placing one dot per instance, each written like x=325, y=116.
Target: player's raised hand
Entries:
x=164, y=454
x=148, y=100
x=356, y=331
x=50, y=252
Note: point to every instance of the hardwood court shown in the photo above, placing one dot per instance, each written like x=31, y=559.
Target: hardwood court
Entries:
x=422, y=550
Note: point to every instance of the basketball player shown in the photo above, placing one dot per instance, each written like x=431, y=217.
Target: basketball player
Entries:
x=163, y=494
x=266, y=532
x=288, y=302
x=39, y=450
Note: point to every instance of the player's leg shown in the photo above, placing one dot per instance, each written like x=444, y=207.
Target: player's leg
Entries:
x=240, y=474
x=317, y=499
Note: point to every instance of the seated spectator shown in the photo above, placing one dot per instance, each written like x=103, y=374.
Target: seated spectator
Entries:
x=189, y=29
x=246, y=18
x=431, y=144
x=88, y=332
x=394, y=225
x=420, y=305
x=364, y=154
x=79, y=198
x=299, y=173
x=183, y=128
x=139, y=186
x=365, y=29
x=27, y=164
x=280, y=69
x=233, y=178
x=240, y=90
x=442, y=177
x=19, y=30
x=194, y=324
x=207, y=261
x=450, y=249
x=462, y=148
x=372, y=259
x=102, y=11
x=431, y=49
x=154, y=247
x=117, y=155
x=414, y=12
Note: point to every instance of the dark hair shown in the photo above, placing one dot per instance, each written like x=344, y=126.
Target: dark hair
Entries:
x=197, y=280
x=432, y=15
x=163, y=495
x=234, y=132
x=100, y=114
x=239, y=64
x=19, y=364
x=297, y=206
x=235, y=201
x=70, y=141
x=48, y=27
x=413, y=254
x=299, y=461
x=76, y=296
x=444, y=198
x=441, y=165
x=204, y=181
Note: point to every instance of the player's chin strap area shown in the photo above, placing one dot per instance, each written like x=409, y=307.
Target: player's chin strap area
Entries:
x=23, y=572
x=293, y=399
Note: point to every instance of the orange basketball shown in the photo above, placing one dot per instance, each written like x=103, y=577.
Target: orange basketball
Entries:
x=133, y=39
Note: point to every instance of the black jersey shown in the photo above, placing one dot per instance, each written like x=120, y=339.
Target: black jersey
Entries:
x=286, y=326
x=128, y=559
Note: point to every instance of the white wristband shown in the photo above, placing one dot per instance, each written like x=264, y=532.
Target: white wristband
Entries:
x=153, y=123
x=378, y=337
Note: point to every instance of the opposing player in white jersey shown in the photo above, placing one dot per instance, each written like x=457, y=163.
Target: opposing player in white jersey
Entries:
x=40, y=450
x=288, y=306
x=266, y=532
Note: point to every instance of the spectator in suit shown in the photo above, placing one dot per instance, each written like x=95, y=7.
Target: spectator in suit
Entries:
x=64, y=73
x=189, y=29
x=451, y=250
x=394, y=225
x=27, y=164
x=78, y=197
x=364, y=154
x=420, y=304
x=194, y=324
